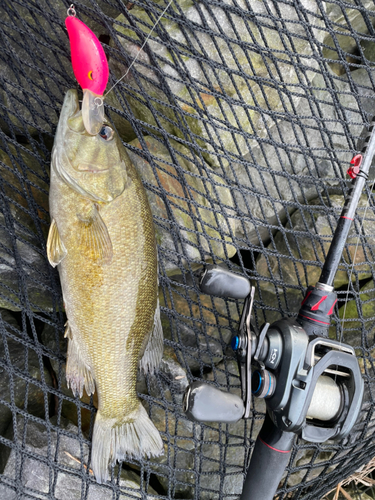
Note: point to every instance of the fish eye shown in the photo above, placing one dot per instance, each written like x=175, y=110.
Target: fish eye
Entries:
x=107, y=133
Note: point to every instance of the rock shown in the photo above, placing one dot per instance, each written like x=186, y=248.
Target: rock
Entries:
x=303, y=461
x=368, y=53
x=222, y=469
x=186, y=441
x=364, y=88
x=357, y=316
x=269, y=182
x=283, y=279
x=60, y=443
x=348, y=24
x=203, y=322
x=36, y=68
x=25, y=273
x=21, y=372
x=34, y=71
x=194, y=212
x=197, y=350
x=191, y=91
x=179, y=449
x=169, y=382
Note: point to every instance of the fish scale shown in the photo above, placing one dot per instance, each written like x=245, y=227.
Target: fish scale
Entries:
x=108, y=270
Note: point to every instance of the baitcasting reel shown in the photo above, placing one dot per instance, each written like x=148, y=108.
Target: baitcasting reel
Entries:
x=312, y=385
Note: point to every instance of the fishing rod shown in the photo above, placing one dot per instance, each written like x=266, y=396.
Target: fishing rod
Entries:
x=312, y=385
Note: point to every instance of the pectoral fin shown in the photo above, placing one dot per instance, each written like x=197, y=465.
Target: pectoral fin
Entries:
x=94, y=237
x=56, y=250
x=154, y=349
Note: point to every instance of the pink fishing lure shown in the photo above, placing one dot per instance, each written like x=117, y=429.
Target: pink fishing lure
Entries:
x=89, y=62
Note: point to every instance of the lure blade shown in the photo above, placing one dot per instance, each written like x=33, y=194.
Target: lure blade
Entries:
x=90, y=67
x=92, y=112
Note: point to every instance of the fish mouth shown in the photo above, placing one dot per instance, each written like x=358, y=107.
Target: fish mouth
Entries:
x=89, y=167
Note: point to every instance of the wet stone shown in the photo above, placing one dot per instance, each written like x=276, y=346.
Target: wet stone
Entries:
x=363, y=86
x=311, y=465
x=193, y=92
x=347, y=21
x=272, y=180
x=197, y=350
x=25, y=273
x=193, y=213
x=307, y=237
x=357, y=316
x=48, y=443
x=201, y=326
x=21, y=367
x=179, y=449
x=23, y=379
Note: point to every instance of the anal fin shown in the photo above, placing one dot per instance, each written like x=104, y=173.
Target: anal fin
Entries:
x=78, y=375
x=56, y=250
x=154, y=349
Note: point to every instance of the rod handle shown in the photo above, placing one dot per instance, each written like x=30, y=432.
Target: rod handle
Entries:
x=268, y=462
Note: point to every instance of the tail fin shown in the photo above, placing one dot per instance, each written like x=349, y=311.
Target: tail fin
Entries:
x=114, y=440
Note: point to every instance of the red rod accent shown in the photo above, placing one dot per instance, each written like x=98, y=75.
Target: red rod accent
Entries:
x=312, y=319
x=343, y=217
x=304, y=300
x=315, y=307
x=274, y=449
x=331, y=310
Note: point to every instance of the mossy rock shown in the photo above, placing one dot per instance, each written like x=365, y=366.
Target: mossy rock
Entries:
x=64, y=441
x=211, y=320
x=193, y=211
x=190, y=94
x=302, y=248
x=21, y=374
x=24, y=222
x=278, y=175
x=348, y=23
x=357, y=317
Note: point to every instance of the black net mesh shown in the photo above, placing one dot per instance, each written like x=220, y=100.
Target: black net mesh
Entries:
x=241, y=117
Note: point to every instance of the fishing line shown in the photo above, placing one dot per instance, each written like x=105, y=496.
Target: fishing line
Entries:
x=352, y=268
x=136, y=57
x=369, y=145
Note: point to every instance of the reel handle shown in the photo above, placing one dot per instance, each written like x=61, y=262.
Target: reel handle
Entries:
x=223, y=283
x=205, y=403
x=268, y=462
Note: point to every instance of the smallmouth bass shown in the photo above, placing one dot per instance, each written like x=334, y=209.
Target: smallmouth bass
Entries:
x=102, y=240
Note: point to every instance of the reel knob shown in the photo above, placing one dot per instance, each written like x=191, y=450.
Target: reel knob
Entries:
x=218, y=281
x=205, y=403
